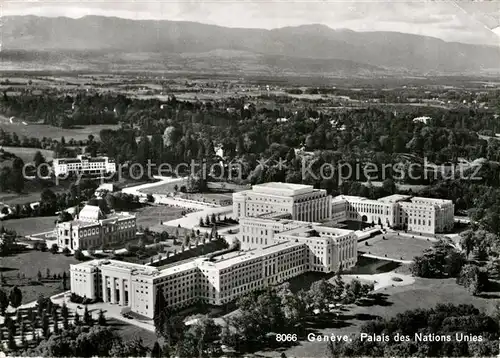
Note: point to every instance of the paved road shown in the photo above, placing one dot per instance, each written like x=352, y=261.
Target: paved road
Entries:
x=387, y=258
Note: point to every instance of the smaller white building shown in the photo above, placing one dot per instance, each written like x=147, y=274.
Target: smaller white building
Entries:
x=84, y=165
x=93, y=228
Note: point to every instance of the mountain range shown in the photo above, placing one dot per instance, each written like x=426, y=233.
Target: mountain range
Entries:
x=109, y=43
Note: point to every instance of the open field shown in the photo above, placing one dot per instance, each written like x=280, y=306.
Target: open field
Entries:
x=42, y=130
x=28, y=264
x=212, y=198
x=424, y=293
x=29, y=226
x=165, y=188
x=27, y=154
x=394, y=246
x=13, y=199
x=150, y=216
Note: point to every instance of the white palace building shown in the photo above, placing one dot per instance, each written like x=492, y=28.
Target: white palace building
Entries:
x=417, y=214
x=93, y=228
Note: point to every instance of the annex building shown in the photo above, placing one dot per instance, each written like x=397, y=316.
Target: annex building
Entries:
x=93, y=228
x=328, y=249
x=302, y=202
x=293, y=249
x=84, y=165
x=417, y=214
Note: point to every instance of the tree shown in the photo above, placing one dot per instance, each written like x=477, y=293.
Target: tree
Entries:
x=439, y=261
x=467, y=241
x=76, y=319
x=354, y=290
x=54, y=249
x=87, y=317
x=11, y=341
x=38, y=159
x=321, y=295
x=389, y=187
x=66, y=251
x=64, y=280
x=65, y=314
x=55, y=319
x=338, y=287
x=446, y=319
x=156, y=352
x=204, y=334
x=15, y=297
x=294, y=306
x=45, y=325
x=473, y=279
x=161, y=312
x=40, y=246
x=134, y=348
x=79, y=255
x=101, y=320
x=4, y=302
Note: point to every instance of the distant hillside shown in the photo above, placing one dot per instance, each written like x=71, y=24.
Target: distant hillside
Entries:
x=104, y=42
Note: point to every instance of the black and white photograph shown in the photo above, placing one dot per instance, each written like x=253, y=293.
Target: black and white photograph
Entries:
x=249, y=178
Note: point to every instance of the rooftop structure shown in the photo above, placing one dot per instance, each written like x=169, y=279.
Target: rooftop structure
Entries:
x=302, y=202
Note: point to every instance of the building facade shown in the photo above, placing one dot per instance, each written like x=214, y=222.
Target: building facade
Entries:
x=293, y=249
x=328, y=249
x=417, y=214
x=84, y=165
x=92, y=228
x=303, y=202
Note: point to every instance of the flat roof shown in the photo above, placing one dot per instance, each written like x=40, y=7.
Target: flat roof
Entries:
x=282, y=189
x=394, y=198
x=176, y=267
x=318, y=231
x=278, y=185
x=242, y=256
x=351, y=197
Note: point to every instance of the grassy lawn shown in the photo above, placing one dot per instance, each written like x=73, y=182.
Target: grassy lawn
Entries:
x=212, y=198
x=32, y=190
x=27, y=154
x=28, y=264
x=396, y=247
x=32, y=225
x=424, y=293
x=42, y=130
x=150, y=216
x=128, y=332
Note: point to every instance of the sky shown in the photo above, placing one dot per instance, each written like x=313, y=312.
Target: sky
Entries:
x=451, y=20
